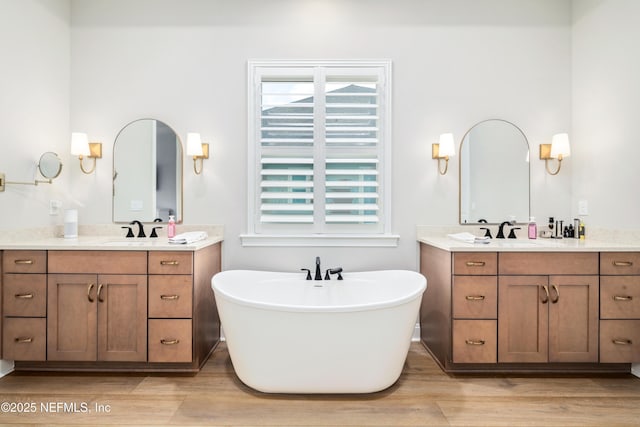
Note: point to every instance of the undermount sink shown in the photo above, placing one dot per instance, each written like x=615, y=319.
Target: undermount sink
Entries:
x=508, y=243
x=126, y=243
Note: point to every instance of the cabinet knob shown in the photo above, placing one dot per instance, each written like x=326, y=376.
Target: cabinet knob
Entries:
x=169, y=342
x=621, y=341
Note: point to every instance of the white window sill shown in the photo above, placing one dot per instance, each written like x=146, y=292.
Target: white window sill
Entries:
x=321, y=240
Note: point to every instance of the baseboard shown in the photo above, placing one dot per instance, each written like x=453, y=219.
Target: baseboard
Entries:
x=6, y=367
x=416, y=333
x=635, y=369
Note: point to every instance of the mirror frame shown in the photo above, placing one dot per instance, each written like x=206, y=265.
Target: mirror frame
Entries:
x=42, y=158
x=179, y=200
x=526, y=140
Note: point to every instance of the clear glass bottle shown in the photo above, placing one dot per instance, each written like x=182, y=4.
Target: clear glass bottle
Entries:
x=533, y=228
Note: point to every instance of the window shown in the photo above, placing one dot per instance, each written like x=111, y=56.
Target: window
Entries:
x=319, y=151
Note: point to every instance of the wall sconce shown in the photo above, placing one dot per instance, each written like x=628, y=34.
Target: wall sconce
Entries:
x=197, y=149
x=444, y=149
x=558, y=149
x=81, y=147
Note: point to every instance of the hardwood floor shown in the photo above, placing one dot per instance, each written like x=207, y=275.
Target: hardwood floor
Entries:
x=424, y=396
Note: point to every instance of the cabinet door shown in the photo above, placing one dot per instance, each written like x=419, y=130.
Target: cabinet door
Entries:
x=573, y=318
x=523, y=319
x=72, y=317
x=122, y=318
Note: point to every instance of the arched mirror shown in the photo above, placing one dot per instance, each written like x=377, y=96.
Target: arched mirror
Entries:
x=50, y=165
x=147, y=172
x=494, y=173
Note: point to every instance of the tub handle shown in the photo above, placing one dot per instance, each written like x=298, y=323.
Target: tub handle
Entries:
x=169, y=297
x=474, y=342
x=621, y=341
x=23, y=340
x=622, y=297
x=172, y=262
x=308, y=273
x=476, y=263
x=474, y=297
x=24, y=296
x=169, y=342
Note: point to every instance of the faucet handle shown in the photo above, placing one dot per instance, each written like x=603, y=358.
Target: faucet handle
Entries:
x=308, y=273
x=487, y=232
x=129, y=231
x=512, y=233
x=153, y=232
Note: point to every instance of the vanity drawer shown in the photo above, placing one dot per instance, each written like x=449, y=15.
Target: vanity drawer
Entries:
x=475, y=297
x=24, y=262
x=170, y=340
x=166, y=262
x=24, y=295
x=170, y=296
x=102, y=262
x=620, y=297
x=619, y=341
x=475, y=341
x=548, y=263
x=24, y=338
x=623, y=263
x=475, y=263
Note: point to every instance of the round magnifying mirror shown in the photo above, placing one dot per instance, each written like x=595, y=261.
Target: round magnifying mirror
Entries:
x=50, y=165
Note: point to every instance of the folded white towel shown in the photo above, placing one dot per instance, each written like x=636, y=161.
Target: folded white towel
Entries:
x=468, y=238
x=188, y=237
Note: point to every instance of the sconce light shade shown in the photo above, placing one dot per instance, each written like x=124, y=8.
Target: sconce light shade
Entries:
x=79, y=144
x=194, y=144
x=558, y=149
x=197, y=150
x=444, y=149
x=560, y=146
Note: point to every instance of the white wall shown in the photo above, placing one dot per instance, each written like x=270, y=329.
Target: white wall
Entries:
x=455, y=63
x=34, y=106
x=606, y=107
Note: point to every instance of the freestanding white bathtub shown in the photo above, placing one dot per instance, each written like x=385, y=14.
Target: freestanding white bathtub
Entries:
x=290, y=335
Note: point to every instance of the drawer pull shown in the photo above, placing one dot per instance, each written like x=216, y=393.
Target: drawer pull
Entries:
x=622, y=297
x=169, y=342
x=621, y=341
x=622, y=263
x=474, y=297
x=474, y=342
x=169, y=263
x=24, y=296
x=24, y=261
x=23, y=340
x=475, y=263
x=169, y=297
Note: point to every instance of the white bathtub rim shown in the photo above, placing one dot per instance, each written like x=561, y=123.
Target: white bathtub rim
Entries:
x=271, y=306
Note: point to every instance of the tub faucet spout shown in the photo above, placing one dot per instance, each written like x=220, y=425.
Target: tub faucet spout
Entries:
x=318, y=275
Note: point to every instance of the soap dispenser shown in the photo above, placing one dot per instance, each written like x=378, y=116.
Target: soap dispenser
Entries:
x=533, y=228
x=171, y=227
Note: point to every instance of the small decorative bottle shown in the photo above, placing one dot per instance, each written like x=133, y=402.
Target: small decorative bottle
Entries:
x=171, y=227
x=533, y=228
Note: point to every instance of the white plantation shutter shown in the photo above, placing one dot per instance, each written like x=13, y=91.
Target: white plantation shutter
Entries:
x=319, y=149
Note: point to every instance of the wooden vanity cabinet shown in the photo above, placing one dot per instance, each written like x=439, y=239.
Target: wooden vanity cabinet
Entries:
x=24, y=298
x=620, y=307
x=97, y=306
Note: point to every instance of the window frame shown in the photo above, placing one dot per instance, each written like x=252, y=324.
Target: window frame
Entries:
x=290, y=234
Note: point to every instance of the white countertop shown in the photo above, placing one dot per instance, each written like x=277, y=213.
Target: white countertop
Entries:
x=102, y=238
x=439, y=239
